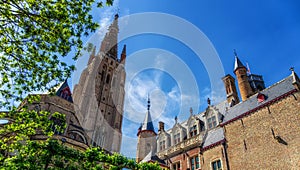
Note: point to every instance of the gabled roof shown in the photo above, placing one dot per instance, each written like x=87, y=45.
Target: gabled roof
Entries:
x=64, y=92
x=281, y=88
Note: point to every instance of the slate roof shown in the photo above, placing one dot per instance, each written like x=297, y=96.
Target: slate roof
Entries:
x=213, y=136
x=147, y=124
x=154, y=158
x=282, y=87
x=237, y=63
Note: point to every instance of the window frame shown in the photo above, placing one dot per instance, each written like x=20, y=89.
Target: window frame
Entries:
x=162, y=145
x=176, y=166
x=218, y=164
x=177, y=138
x=193, y=130
x=212, y=122
x=195, y=162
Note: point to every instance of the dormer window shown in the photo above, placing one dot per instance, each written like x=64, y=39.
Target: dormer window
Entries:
x=162, y=145
x=193, y=131
x=261, y=97
x=212, y=122
x=176, y=138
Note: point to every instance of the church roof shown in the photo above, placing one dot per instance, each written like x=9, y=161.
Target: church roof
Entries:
x=272, y=93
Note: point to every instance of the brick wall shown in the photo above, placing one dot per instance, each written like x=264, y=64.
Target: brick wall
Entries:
x=211, y=155
x=183, y=158
x=252, y=145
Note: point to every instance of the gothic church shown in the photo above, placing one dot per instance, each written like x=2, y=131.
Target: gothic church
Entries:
x=94, y=112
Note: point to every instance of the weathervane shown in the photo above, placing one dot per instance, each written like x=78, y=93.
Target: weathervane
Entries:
x=234, y=51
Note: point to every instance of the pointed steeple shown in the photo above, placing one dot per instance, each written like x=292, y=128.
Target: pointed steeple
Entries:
x=240, y=72
x=123, y=54
x=147, y=125
x=109, y=44
x=237, y=63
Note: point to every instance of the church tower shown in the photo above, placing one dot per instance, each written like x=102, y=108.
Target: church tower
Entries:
x=146, y=145
x=240, y=72
x=99, y=94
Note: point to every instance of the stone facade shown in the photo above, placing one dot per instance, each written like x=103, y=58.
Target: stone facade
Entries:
x=99, y=94
x=74, y=135
x=261, y=132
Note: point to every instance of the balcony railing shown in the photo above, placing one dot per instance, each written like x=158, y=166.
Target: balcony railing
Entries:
x=181, y=146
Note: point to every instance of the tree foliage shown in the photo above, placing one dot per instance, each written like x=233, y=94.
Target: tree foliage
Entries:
x=33, y=37
x=20, y=150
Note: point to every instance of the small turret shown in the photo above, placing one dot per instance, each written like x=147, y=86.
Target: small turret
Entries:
x=240, y=72
x=146, y=137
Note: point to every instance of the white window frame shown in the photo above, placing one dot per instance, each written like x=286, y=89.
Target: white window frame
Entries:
x=194, y=167
x=216, y=161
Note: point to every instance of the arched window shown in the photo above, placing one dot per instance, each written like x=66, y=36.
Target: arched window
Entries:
x=107, y=78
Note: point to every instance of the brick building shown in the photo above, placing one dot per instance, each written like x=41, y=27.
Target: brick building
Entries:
x=260, y=132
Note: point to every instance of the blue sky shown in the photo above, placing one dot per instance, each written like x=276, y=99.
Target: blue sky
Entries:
x=266, y=34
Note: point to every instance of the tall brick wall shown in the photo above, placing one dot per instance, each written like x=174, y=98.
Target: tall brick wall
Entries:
x=211, y=155
x=251, y=143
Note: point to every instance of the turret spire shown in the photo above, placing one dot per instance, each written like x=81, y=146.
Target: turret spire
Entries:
x=237, y=63
x=147, y=125
x=148, y=106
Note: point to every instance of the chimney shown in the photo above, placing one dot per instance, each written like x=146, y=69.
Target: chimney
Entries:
x=161, y=126
x=231, y=92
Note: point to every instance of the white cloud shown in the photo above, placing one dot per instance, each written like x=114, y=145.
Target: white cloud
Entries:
x=128, y=147
x=216, y=96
